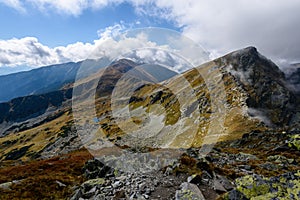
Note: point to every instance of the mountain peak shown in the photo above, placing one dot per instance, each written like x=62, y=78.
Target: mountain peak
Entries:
x=250, y=60
x=250, y=50
x=247, y=53
x=123, y=61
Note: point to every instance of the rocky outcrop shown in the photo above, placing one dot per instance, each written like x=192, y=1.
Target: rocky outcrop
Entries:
x=264, y=84
x=233, y=170
x=285, y=186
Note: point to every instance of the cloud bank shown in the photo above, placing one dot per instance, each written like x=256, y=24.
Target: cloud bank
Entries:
x=223, y=26
x=30, y=52
x=149, y=45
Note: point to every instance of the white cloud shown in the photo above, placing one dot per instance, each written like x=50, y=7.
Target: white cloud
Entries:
x=25, y=51
x=219, y=26
x=111, y=31
x=142, y=45
x=73, y=7
x=223, y=26
x=70, y=7
x=16, y=4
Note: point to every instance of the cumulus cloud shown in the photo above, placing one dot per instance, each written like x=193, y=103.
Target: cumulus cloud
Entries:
x=223, y=26
x=16, y=4
x=25, y=51
x=29, y=51
x=219, y=26
x=141, y=45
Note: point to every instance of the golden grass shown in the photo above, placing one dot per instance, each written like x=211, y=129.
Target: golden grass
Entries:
x=38, y=137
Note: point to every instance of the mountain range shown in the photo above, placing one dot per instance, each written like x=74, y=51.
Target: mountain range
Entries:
x=45, y=79
x=241, y=103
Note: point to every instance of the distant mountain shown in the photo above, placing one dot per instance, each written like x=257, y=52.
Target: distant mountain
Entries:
x=32, y=107
x=11, y=70
x=45, y=79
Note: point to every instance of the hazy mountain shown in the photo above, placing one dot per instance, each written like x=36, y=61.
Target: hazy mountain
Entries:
x=45, y=79
x=32, y=107
x=10, y=70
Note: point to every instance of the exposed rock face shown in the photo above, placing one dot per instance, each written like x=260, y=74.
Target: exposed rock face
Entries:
x=263, y=83
x=107, y=183
x=293, y=80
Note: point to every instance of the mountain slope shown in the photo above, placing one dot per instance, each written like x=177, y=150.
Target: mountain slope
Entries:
x=10, y=70
x=257, y=98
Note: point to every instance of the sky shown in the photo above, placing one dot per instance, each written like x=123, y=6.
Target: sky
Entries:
x=36, y=33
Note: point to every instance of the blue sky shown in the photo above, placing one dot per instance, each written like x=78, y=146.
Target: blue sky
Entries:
x=36, y=33
x=56, y=29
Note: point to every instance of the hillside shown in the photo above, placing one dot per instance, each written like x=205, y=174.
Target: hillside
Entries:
x=255, y=97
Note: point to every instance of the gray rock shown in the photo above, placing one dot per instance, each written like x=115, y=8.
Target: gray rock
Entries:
x=77, y=194
x=195, y=179
x=236, y=195
x=7, y=185
x=225, y=182
x=116, y=184
x=217, y=186
x=60, y=184
x=189, y=191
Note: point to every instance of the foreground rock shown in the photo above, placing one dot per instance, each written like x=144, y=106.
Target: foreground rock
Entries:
x=239, y=169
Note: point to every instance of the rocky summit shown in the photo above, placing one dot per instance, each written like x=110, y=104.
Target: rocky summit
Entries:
x=228, y=129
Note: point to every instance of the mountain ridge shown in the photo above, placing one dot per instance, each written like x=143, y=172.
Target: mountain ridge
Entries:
x=255, y=154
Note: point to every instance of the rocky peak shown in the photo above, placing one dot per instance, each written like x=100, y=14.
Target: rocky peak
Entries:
x=263, y=83
x=122, y=65
x=253, y=65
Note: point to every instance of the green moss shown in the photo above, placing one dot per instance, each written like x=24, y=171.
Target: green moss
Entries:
x=295, y=141
x=250, y=188
x=259, y=188
x=265, y=196
x=116, y=172
x=187, y=194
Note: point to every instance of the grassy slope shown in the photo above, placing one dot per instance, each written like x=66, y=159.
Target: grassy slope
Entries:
x=37, y=138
